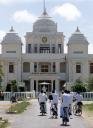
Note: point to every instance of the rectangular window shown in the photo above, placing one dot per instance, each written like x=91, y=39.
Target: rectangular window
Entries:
x=53, y=48
x=44, y=68
x=91, y=67
x=78, y=68
x=35, y=48
x=35, y=67
x=29, y=48
x=11, y=68
x=59, y=48
x=54, y=67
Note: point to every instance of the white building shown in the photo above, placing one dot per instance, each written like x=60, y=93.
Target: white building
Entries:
x=44, y=60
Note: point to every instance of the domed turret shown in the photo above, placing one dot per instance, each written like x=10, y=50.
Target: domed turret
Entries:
x=11, y=37
x=77, y=43
x=77, y=37
x=11, y=43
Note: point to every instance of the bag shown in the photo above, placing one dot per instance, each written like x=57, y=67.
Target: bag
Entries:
x=50, y=97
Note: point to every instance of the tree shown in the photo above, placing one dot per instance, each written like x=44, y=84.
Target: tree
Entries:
x=12, y=86
x=90, y=84
x=78, y=86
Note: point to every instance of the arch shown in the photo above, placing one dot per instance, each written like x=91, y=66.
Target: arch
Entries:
x=26, y=67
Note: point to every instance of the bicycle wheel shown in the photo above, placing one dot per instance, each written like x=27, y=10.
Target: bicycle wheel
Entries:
x=80, y=111
x=74, y=109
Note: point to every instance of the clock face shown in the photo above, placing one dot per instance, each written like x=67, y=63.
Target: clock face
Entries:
x=44, y=39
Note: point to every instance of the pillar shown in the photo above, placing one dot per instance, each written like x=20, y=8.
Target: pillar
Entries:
x=51, y=85
x=57, y=67
x=32, y=84
x=36, y=85
x=57, y=85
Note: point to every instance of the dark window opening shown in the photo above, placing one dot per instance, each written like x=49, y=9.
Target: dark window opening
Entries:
x=78, y=68
x=54, y=67
x=91, y=67
x=29, y=48
x=11, y=68
x=35, y=67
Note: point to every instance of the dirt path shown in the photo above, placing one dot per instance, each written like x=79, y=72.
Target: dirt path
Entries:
x=32, y=119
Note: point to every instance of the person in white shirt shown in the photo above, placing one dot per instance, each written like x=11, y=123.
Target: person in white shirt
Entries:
x=55, y=97
x=54, y=104
x=79, y=98
x=65, y=100
x=42, y=98
x=70, y=102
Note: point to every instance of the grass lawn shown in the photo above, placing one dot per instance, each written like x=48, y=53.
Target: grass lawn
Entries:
x=88, y=114
x=88, y=107
x=3, y=123
x=18, y=108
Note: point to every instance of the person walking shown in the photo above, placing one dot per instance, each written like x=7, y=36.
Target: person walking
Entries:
x=42, y=99
x=54, y=103
x=65, y=98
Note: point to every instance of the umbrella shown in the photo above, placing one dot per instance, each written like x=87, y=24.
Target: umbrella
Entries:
x=44, y=83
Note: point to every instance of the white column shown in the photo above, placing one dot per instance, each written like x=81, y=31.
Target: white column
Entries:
x=57, y=85
x=36, y=85
x=32, y=84
x=57, y=67
x=56, y=48
x=31, y=67
x=51, y=85
x=18, y=71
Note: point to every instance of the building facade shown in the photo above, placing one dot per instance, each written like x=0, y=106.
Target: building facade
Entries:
x=45, y=60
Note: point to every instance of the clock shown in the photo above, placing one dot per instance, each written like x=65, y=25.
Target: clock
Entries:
x=44, y=39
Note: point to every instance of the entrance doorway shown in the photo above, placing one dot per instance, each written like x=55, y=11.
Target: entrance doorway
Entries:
x=46, y=86
x=61, y=83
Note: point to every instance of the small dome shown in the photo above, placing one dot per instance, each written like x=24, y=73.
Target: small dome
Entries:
x=44, y=24
x=11, y=37
x=77, y=37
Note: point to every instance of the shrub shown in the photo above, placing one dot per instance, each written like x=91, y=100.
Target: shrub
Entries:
x=78, y=86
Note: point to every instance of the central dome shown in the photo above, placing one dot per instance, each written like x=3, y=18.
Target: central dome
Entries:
x=44, y=24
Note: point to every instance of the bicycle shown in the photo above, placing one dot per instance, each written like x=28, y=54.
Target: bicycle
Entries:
x=42, y=108
x=77, y=109
x=54, y=110
x=65, y=117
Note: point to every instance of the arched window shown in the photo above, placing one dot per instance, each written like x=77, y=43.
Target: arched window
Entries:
x=63, y=67
x=26, y=67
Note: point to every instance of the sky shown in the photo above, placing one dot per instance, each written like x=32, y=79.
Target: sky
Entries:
x=68, y=14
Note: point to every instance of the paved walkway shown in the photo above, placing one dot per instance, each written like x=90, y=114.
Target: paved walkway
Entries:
x=31, y=119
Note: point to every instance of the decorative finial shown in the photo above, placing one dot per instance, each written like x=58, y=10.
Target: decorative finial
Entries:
x=77, y=30
x=44, y=9
x=12, y=29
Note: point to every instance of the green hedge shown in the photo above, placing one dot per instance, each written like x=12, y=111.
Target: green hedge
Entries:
x=3, y=123
x=18, y=107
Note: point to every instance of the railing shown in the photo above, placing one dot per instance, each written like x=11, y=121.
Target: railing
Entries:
x=87, y=96
x=19, y=95
x=44, y=73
